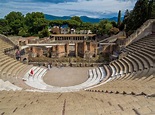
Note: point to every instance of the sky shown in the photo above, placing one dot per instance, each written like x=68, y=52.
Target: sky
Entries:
x=90, y=8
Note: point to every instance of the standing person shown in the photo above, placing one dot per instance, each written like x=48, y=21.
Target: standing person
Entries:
x=49, y=67
x=31, y=73
x=18, y=55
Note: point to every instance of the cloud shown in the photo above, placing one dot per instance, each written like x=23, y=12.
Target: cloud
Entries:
x=91, y=8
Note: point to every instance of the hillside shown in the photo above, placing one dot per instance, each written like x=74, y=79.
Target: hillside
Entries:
x=83, y=18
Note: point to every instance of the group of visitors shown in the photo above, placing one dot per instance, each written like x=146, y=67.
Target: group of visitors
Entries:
x=18, y=56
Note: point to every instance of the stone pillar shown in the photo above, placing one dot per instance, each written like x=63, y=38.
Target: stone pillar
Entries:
x=90, y=47
x=40, y=53
x=95, y=49
x=58, y=50
x=67, y=49
x=34, y=52
x=76, y=49
x=84, y=48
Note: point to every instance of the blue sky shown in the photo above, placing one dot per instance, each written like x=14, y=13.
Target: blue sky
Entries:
x=90, y=8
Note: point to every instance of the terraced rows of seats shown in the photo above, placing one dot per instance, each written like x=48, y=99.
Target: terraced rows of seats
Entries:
x=11, y=70
x=75, y=103
x=134, y=73
x=36, y=81
x=18, y=74
x=121, y=90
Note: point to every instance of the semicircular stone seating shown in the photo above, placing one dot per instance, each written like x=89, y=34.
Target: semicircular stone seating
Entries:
x=95, y=76
x=134, y=72
x=12, y=70
x=131, y=71
x=118, y=88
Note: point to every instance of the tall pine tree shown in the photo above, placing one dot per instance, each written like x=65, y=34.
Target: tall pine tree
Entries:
x=119, y=18
x=152, y=5
x=140, y=13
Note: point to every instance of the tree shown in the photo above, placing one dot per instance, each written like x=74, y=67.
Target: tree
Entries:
x=12, y=16
x=151, y=9
x=94, y=29
x=76, y=18
x=35, y=22
x=23, y=31
x=44, y=33
x=85, y=26
x=119, y=18
x=138, y=16
x=73, y=24
x=58, y=23
x=114, y=24
x=4, y=28
x=104, y=27
x=15, y=21
x=135, y=18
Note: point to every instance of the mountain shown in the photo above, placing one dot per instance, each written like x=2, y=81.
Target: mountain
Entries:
x=83, y=18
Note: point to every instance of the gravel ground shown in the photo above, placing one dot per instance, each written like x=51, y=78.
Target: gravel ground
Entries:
x=66, y=76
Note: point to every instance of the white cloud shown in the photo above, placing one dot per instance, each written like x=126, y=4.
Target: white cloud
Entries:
x=91, y=8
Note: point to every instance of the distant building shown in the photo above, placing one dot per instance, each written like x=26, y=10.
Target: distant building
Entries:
x=64, y=30
x=72, y=37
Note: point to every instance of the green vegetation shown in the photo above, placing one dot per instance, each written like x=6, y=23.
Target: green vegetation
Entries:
x=35, y=24
x=15, y=23
x=119, y=18
x=143, y=10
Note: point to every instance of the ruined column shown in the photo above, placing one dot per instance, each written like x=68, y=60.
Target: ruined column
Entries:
x=84, y=48
x=95, y=49
x=76, y=49
x=67, y=49
x=34, y=52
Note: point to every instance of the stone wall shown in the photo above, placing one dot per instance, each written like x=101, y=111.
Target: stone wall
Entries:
x=86, y=48
x=145, y=30
x=3, y=37
x=36, y=52
x=61, y=50
x=81, y=47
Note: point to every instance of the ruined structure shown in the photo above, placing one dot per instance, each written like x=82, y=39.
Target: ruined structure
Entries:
x=82, y=49
x=72, y=37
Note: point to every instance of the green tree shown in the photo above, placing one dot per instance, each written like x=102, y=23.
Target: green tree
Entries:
x=23, y=31
x=151, y=9
x=119, y=18
x=35, y=22
x=44, y=33
x=12, y=16
x=4, y=27
x=58, y=23
x=15, y=21
x=76, y=18
x=104, y=27
x=135, y=18
x=114, y=24
x=94, y=28
x=73, y=24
